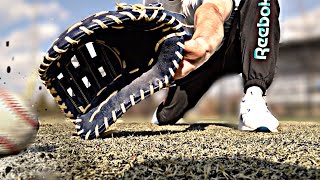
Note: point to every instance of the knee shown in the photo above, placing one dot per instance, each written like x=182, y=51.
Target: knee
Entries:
x=167, y=115
x=165, y=118
x=170, y=113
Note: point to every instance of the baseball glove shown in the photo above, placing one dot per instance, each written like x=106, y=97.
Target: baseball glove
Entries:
x=100, y=67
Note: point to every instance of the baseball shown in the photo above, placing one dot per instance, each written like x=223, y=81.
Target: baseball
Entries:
x=18, y=126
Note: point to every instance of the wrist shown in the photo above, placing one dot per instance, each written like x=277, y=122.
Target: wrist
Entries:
x=209, y=44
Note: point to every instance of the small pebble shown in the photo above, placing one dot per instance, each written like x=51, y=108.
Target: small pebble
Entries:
x=8, y=69
x=8, y=169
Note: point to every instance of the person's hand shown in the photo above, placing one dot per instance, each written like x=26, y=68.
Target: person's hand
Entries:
x=208, y=35
x=195, y=54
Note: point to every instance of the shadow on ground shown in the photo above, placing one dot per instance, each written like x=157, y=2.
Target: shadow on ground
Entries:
x=43, y=148
x=224, y=167
x=189, y=127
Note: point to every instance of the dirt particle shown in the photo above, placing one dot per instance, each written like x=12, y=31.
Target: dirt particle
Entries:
x=7, y=43
x=40, y=88
x=8, y=169
x=50, y=156
x=8, y=69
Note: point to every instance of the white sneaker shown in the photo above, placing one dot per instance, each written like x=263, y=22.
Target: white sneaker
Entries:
x=154, y=119
x=254, y=113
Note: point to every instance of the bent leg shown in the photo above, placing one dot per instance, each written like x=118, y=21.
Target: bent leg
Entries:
x=185, y=95
x=189, y=90
x=260, y=35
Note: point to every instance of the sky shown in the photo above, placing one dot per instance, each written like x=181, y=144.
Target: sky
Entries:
x=30, y=26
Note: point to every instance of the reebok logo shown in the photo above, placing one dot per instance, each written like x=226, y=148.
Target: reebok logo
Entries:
x=263, y=28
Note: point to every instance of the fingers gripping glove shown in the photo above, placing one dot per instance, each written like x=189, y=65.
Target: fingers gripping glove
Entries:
x=100, y=67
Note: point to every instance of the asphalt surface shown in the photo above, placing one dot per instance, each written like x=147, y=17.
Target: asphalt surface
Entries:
x=211, y=150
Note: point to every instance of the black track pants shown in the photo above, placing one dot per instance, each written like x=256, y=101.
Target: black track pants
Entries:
x=251, y=47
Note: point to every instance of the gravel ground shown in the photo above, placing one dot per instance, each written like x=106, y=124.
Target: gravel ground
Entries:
x=145, y=151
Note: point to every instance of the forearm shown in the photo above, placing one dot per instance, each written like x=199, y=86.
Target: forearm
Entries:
x=209, y=20
x=208, y=35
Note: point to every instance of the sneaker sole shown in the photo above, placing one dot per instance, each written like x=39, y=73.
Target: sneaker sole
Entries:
x=242, y=127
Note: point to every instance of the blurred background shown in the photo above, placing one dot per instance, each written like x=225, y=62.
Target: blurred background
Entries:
x=28, y=27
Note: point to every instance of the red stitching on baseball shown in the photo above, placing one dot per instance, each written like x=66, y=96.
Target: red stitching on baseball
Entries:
x=19, y=110
x=8, y=144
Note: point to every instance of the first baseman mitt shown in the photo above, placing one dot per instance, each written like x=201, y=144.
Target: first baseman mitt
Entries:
x=100, y=67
